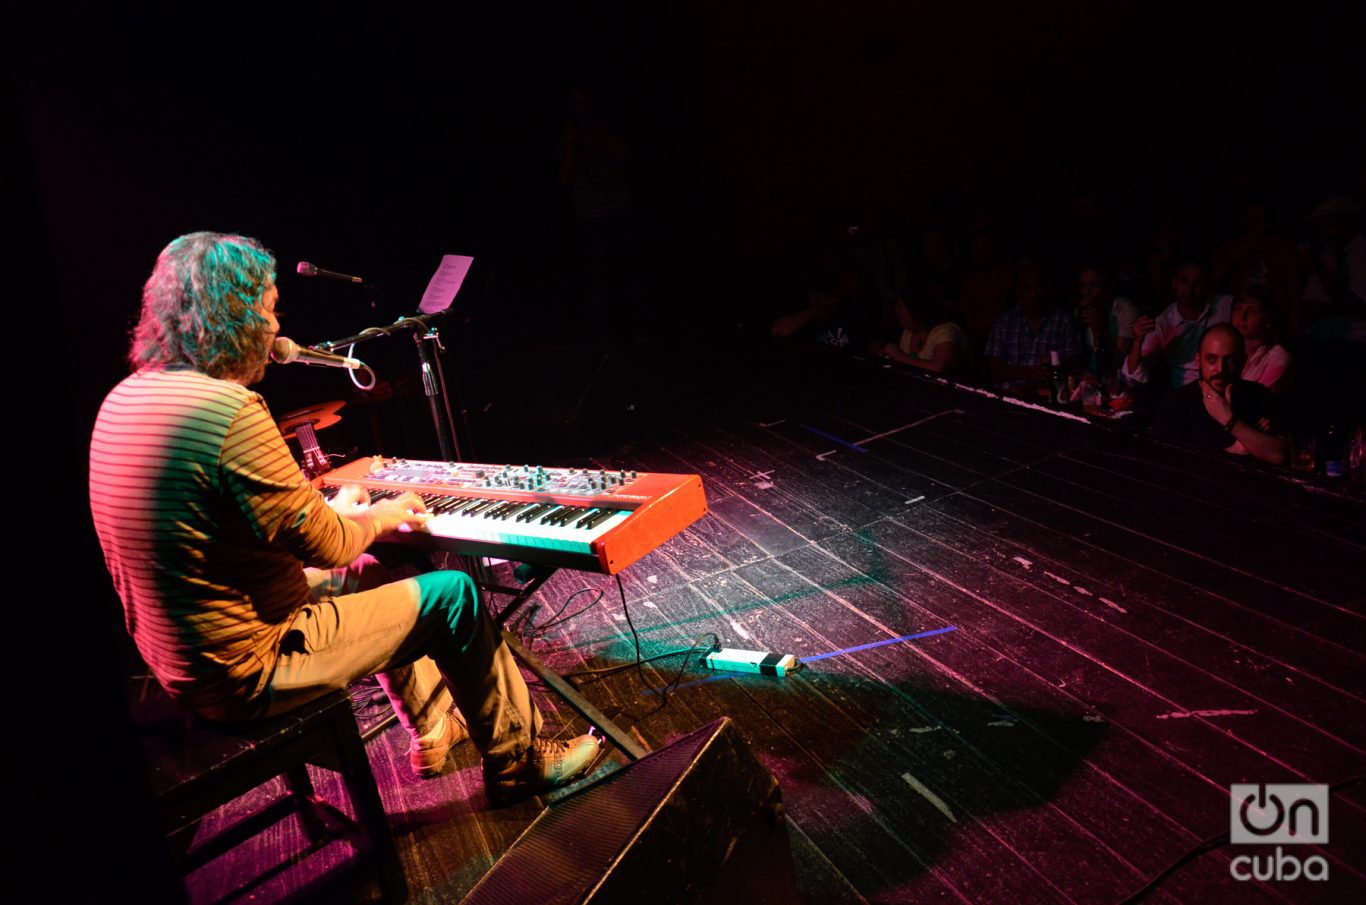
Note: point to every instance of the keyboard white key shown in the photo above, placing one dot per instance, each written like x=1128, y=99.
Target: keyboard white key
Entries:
x=562, y=538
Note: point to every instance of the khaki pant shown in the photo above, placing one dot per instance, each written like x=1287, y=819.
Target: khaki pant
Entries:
x=411, y=635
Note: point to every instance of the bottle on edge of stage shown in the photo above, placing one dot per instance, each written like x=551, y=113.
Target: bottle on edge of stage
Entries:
x=1057, y=382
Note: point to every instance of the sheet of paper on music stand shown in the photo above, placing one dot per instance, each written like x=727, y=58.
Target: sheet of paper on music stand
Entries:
x=445, y=283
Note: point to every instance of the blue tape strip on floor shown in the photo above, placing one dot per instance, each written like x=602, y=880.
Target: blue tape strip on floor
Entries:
x=884, y=643
x=839, y=440
x=825, y=656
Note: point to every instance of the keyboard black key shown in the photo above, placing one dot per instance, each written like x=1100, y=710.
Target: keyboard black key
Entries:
x=519, y=507
x=599, y=517
x=563, y=515
x=535, y=512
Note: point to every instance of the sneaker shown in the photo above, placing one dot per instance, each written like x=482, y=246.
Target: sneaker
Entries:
x=431, y=758
x=546, y=765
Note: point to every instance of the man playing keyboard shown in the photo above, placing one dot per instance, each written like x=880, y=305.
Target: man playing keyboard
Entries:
x=207, y=525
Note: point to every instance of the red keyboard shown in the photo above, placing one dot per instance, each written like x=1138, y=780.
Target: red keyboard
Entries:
x=588, y=519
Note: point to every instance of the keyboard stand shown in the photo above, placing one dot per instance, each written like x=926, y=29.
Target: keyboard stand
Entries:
x=553, y=680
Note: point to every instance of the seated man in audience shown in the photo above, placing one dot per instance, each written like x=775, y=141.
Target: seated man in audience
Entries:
x=1219, y=410
x=840, y=312
x=1021, y=339
x=1164, y=348
x=1268, y=363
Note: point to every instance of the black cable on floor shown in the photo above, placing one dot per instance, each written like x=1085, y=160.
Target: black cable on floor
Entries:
x=700, y=644
x=621, y=589
x=537, y=630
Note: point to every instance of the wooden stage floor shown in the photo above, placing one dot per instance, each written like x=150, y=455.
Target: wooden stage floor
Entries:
x=1040, y=651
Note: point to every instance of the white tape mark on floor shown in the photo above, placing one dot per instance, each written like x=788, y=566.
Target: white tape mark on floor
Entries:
x=1185, y=714
x=929, y=796
x=907, y=426
x=1111, y=604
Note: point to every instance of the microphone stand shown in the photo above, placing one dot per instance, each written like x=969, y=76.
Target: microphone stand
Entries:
x=425, y=335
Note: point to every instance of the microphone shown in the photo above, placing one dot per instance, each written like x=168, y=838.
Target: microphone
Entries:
x=311, y=270
x=286, y=351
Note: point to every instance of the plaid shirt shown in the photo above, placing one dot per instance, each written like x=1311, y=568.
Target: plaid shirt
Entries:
x=1011, y=340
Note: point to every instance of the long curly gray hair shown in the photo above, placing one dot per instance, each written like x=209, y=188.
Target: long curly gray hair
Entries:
x=201, y=306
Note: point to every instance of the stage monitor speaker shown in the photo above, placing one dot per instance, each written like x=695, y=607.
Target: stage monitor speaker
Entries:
x=698, y=821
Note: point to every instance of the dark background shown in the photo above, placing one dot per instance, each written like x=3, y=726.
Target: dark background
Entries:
x=375, y=143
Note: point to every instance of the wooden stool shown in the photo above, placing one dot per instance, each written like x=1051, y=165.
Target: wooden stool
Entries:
x=196, y=766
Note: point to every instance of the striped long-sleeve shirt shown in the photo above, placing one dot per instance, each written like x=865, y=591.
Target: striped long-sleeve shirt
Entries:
x=206, y=521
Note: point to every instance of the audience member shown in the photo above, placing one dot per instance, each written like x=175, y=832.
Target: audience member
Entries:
x=1106, y=322
x=1335, y=292
x=840, y=313
x=954, y=312
x=599, y=166
x=928, y=340
x=1021, y=339
x=1267, y=363
x=1219, y=410
x=1084, y=235
x=865, y=248
x=1168, y=237
x=934, y=271
x=1166, y=346
x=985, y=290
x=1258, y=255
